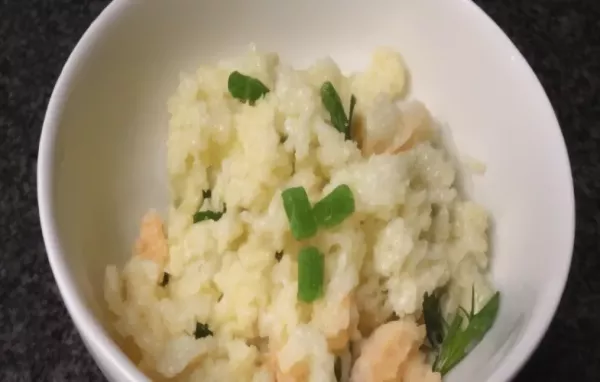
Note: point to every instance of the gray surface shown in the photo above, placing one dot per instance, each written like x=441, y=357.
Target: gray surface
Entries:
x=560, y=39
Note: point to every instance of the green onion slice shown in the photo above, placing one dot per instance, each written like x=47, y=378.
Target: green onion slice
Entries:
x=335, y=207
x=299, y=213
x=311, y=273
x=332, y=102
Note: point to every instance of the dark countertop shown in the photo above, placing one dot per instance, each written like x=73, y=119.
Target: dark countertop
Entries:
x=559, y=38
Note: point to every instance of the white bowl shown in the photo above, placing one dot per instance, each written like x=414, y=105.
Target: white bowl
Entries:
x=102, y=152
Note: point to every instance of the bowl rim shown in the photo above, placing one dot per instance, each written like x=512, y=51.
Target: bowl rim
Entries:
x=90, y=328
x=536, y=330
x=87, y=325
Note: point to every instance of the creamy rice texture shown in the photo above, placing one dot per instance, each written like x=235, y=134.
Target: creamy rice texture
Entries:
x=411, y=233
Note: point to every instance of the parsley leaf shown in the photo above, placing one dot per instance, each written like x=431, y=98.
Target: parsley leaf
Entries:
x=246, y=88
x=202, y=331
x=208, y=215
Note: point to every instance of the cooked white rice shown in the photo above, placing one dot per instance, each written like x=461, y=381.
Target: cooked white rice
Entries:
x=412, y=232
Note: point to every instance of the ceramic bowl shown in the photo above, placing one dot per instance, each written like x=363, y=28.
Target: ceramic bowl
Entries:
x=102, y=151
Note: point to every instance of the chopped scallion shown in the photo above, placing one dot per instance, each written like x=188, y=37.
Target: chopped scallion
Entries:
x=299, y=213
x=311, y=274
x=332, y=102
x=335, y=207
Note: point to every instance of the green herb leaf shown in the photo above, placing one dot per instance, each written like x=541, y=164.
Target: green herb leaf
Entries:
x=299, y=213
x=202, y=331
x=459, y=342
x=434, y=320
x=452, y=342
x=332, y=102
x=472, y=313
x=484, y=319
x=335, y=207
x=246, y=88
x=311, y=273
x=165, y=279
x=206, y=194
x=201, y=216
x=350, y=117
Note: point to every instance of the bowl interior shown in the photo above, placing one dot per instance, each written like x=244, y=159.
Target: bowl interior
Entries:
x=102, y=158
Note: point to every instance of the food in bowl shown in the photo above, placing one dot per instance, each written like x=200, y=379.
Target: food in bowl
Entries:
x=315, y=233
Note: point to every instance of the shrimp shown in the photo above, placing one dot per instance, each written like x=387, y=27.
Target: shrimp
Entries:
x=416, y=127
x=152, y=241
x=297, y=373
x=349, y=328
x=391, y=354
x=369, y=321
x=391, y=129
x=417, y=370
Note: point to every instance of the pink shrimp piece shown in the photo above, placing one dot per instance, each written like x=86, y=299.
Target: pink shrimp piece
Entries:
x=298, y=372
x=339, y=341
x=413, y=126
x=388, y=355
x=152, y=241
